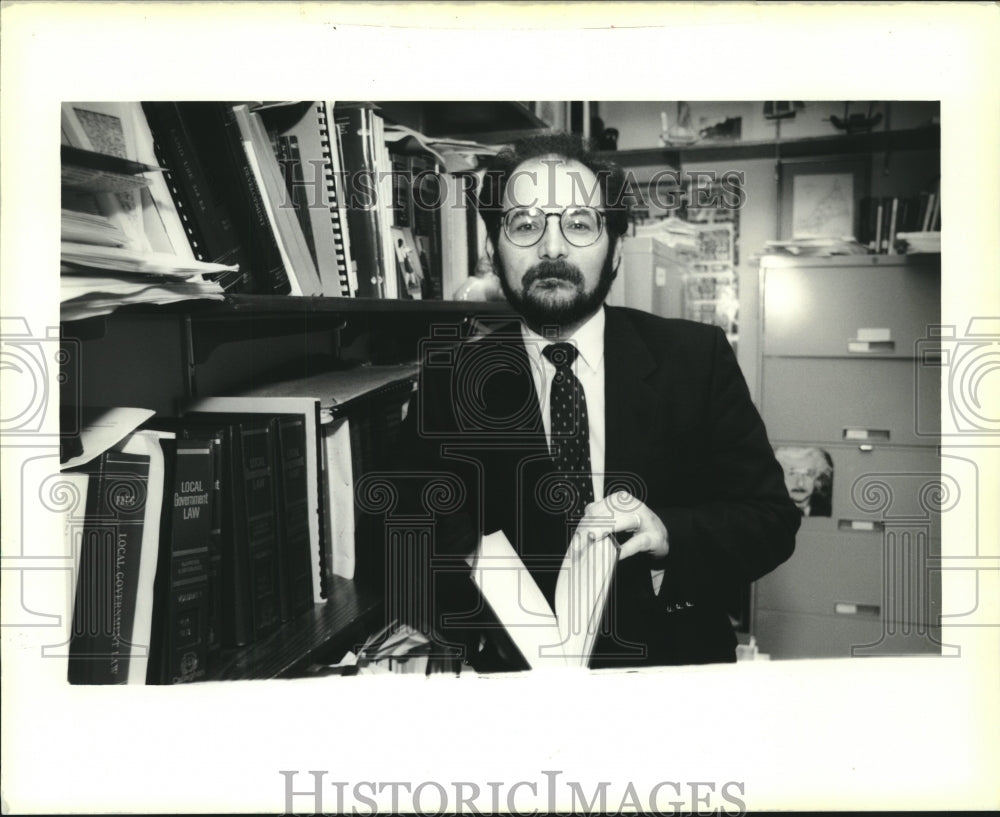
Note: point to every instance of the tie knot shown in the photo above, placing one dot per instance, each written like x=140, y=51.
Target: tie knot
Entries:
x=561, y=355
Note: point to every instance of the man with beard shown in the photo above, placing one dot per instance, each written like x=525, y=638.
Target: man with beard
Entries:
x=578, y=401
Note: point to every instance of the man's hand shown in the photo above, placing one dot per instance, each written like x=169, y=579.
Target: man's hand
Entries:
x=623, y=512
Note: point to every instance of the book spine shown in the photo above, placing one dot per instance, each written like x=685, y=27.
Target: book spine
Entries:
x=184, y=567
x=472, y=228
x=304, y=149
x=210, y=230
x=402, y=195
x=215, y=544
x=339, y=496
x=928, y=208
x=214, y=135
x=426, y=189
x=234, y=573
x=380, y=158
x=293, y=515
x=282, y=544
x=250, y=206
x=258, y=522
x=893, y=220
x=333, y=185
x=337, y=190
x=290, y=161
x=905, y=216
x=296, y=254
x=326, y=510
x=108, y=576
x=878, y=207
x=361, y=190
x=454, y=237
x=374, y=435
x=886, y=219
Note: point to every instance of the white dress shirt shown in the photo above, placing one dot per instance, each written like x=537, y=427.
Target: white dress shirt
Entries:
x=589, y=370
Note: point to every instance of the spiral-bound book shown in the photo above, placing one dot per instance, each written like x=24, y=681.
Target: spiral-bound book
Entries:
x=355, y=125
x=307, y=149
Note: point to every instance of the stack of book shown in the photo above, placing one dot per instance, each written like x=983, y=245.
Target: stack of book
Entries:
x=297, y=198
x=883, y=219
x=207, y=532
x=121, y=240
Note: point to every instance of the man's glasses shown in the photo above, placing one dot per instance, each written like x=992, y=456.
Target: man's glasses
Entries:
x=525, y=226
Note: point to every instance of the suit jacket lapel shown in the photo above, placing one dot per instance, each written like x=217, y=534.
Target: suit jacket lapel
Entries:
x=509, y=389
x=631, y=405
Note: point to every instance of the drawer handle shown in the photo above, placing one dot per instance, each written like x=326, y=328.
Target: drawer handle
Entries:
x=867, y=347
x=867, y=525
x=881, y=434
x=850, y=608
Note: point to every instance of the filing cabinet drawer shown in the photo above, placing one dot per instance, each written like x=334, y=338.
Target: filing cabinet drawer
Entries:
x=884, y=489
x=833, y=400
x=857, y=576
x=865, y=310
x=792, y=635
x=651, y=278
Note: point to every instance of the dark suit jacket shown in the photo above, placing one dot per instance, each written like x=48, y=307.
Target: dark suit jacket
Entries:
x=681, y=434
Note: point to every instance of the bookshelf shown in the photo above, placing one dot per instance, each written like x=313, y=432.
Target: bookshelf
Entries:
x=164, y=357
x=179, y=343
x=487, y=121
x=923, y=138
x=324, y=633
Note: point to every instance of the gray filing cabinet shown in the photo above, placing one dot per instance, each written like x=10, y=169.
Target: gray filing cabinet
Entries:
x=650, y=278
x=841, y=381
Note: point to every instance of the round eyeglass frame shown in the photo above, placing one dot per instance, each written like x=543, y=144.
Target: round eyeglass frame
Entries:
x=561, y=215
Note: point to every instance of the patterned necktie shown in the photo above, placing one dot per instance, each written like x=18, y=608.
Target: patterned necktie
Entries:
x=570, y=428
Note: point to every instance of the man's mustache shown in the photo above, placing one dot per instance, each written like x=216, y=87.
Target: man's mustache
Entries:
x=561, y=270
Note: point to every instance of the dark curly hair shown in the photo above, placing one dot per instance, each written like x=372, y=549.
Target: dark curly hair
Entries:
x=568, y=146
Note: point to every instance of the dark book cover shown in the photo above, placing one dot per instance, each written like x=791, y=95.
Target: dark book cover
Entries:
x=290, y=161
x=214, y=626
x=355, y=130
x=108, y=569
x=471, y=227
x=293, y=515
x=247, y=577
x=206, y=218
x=402, y=194
x=234, y=569
x=179, y=650
x=257, y=511
x=227, y=182
x=375, y=430
x=425, y=191
x=903, y=217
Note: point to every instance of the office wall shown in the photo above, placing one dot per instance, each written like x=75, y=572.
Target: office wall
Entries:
x=638, y=122
x=898, y=173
